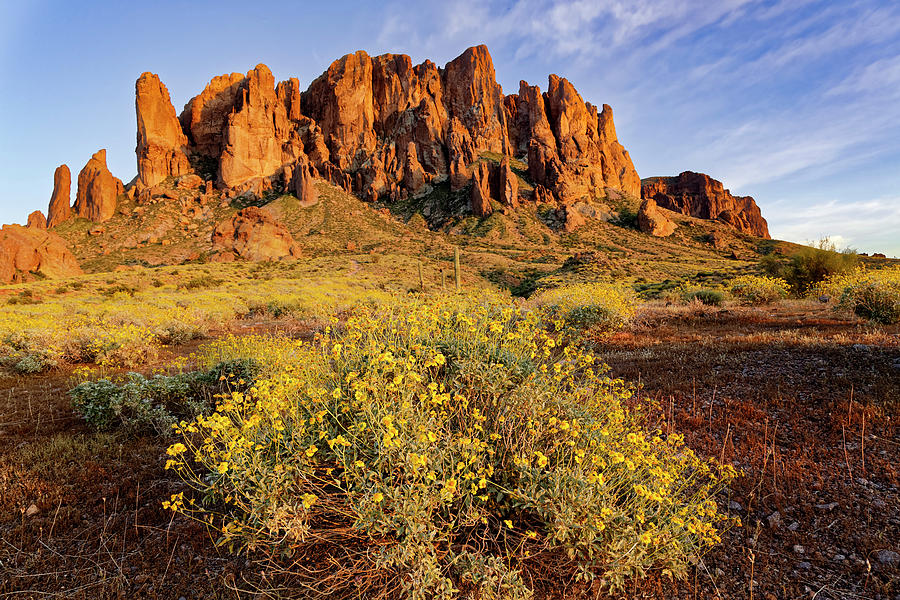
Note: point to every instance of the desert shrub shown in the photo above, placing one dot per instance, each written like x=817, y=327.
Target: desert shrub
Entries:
x=756, y=290
x=153, y=404
x=34, y=363
x=588, y=305
x=813, y=264
x=705, y=296
x=200, y=282
x=440, y=442
x=872, y=295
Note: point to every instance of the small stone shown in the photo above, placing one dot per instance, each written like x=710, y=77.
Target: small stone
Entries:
x=794, y=526
x=798, y=549
x=888, y=558
x=839, y=558
x=774, y=519
x=736, y=506
x=861, y=347
x=829, y=506
x=32, y=510
x=805, y=566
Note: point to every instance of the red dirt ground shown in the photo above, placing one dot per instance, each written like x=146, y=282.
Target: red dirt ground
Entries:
x=805, y=403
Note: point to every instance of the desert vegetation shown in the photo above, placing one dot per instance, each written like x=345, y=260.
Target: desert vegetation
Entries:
x=427, y=444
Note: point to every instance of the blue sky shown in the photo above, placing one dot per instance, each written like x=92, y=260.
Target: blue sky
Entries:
x=795, y=102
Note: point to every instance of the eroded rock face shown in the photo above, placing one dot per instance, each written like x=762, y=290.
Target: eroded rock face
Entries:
x=302, y=184
x=205, y=115
x=161, y=144
x=259, y=139
x=253, y=234
x=506, y=184
x=384, y=128
x=60, y=201
x=25, y=251
x=699, y=195
x=97, y=190
x=651, y=220
x=481, y=190
x=36, y=220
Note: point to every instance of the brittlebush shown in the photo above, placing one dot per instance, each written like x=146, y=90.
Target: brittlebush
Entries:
x=872, y=295
x=458, y=438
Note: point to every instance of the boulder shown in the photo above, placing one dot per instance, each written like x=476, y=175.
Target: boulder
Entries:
x=97, y=190
x=701, y=196
x=571, y=217
x=651, y=220
x=26, y=251
x=60, y=201
x=37, y=220
x=253, y=234
x=161, y=144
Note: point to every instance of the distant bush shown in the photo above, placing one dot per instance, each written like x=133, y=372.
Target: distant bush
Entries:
x=813, y=264
x=153, y=404
x=872, y=295
x=588, y=305
x=757, y=290
x=707, y=297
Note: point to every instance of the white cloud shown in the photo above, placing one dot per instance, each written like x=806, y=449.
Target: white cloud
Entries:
x=869, y=225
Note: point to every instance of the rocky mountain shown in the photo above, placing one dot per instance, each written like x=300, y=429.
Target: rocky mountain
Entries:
x=446, y=139
x=699, y=195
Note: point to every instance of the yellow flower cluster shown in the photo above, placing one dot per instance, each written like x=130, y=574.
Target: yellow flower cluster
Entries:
x=419, y=420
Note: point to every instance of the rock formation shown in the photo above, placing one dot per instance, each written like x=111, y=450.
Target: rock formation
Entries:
x=97, y=190
x=26, y=251
x=253, y=234
x=60, y=201
x=651, y=220
x=301, y=182
x=701, y=196
x=36, y=220
x=161, y=144
x=481, y=190
x=383, y=128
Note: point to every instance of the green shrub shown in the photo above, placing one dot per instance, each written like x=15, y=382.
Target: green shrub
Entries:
x=704, y=296
x=142, y=405
x=588, y=305
x=813, y=264
x=448, y=438
x=756, y=290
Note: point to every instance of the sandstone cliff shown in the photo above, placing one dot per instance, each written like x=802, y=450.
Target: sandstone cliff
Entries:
x=385, y=129
x=699, y=195
x=161, y=144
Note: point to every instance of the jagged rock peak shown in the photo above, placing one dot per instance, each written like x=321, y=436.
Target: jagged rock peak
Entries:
x=60, y=208
x=97, y=190
x=384, y=128
x=161, y=144
x=699, y=195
